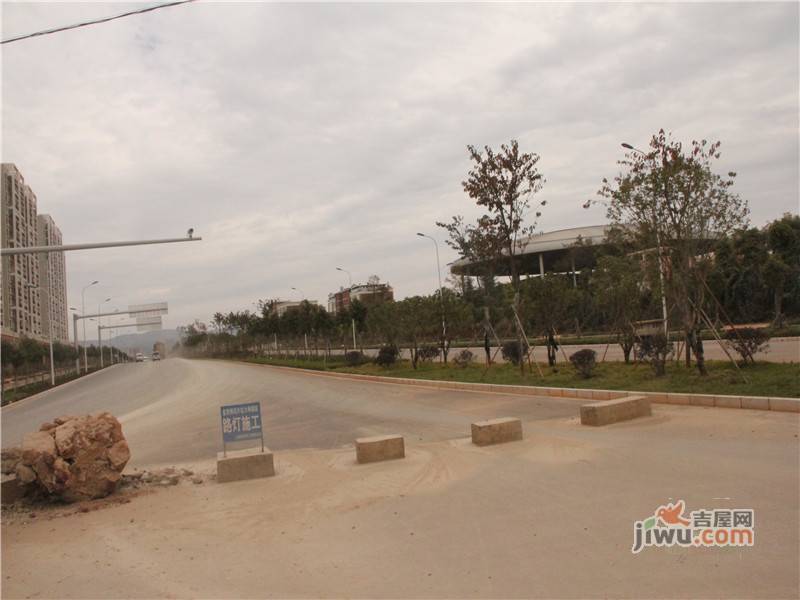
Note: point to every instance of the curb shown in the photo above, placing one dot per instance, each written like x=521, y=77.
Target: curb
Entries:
x=776, y=404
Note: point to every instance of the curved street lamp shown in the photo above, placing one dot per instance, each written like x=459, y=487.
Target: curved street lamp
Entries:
x=441, y=295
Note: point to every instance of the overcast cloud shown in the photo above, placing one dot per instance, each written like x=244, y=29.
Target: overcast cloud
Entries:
x=299, y=138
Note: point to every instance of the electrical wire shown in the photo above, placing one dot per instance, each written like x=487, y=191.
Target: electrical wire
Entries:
x=94, y=22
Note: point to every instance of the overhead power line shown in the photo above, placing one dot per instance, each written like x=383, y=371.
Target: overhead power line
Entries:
x=94, y=22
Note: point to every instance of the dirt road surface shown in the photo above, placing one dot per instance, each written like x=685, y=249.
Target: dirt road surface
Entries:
x=551, y=516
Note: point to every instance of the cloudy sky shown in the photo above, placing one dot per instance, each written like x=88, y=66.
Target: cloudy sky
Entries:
x=296, y=138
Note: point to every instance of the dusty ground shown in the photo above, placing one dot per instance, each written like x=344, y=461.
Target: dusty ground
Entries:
x=551, y=516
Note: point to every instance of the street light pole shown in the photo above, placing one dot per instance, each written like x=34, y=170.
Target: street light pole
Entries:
x=83, y=312
x=658, y=244
x=350, y=291
x=305, y=334
x=99, y=338
x=441, y=295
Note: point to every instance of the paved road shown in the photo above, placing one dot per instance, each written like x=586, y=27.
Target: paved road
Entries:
x=170, y=409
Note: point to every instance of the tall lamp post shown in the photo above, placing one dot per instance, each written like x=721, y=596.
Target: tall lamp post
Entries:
x=352, y=319
x=83, y=312
x=305, y=335
x=441, y=295
x=99, y=334
x=658, y=244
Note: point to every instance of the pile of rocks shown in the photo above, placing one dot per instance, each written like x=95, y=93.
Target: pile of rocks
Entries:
x=160, y=477
x=70, y=458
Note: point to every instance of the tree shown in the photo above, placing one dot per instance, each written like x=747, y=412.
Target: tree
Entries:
x=783, y=265
x=620, y=299
x=670, y=200
x=503, y=184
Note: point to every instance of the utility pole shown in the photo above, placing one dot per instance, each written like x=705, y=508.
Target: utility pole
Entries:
x=441, y=295
x=349, y=293
x=83, y=311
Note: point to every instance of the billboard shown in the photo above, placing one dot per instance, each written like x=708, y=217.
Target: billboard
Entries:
x=148, y=323
x=154, y=309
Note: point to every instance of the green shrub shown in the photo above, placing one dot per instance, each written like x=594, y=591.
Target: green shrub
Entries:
x=584, y=362
x=387, y=355
x=428, y=352
x=354, y=358
x=655, y=349
x=464, y=358
x=513, y=352
x=747, y=341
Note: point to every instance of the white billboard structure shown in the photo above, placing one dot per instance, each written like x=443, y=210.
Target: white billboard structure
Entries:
x=154, y=309
x=148, y=323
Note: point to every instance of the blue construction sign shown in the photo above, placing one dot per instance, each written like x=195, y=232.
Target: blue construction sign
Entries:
x=241, y=422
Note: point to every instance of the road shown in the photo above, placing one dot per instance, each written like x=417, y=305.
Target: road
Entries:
x=170, y=409
x=550, y=516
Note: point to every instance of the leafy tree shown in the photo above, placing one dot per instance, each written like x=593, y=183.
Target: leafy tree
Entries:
x=782, y=270
x=620, y=299
x=671, y=200
x=503, y=184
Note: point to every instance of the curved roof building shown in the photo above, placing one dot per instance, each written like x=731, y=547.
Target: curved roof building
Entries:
x=563, y=250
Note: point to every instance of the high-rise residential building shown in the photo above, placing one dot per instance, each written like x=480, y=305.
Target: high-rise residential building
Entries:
x=31, y=287
x=21, y=296
x=53, y=282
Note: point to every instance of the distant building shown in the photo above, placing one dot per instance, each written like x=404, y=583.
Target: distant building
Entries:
x=280, y=307
x=369, y=294
x=33, y=287
x=53, y=282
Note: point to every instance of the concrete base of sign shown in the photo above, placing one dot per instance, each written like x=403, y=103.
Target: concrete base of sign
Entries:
x=381, y=447
x=496, y=431
x=613, y=411
x=238, y=465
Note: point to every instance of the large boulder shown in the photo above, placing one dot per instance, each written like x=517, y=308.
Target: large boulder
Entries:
x=74, y=458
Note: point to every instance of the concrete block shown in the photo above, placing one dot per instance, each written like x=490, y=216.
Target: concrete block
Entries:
x=701, y=400
x=380, y=447
x=785, y=404
x=614, y=411
x=728, y=401
x=755, y=402
x=239, y=465
x=496, y=431
x=12, y=489
x=569, y=393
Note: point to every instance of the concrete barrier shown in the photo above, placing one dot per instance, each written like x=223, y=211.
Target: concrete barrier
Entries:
x=380, y=447
x=613, y=411
x=239, y=465
x=496, y=431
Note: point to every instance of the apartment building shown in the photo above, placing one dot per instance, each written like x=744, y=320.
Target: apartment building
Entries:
x=369, y=294
x=53, y=282
x=30, y=286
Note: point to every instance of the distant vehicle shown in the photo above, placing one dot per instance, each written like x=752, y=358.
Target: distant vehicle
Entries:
x=156, y=356
x=139, y=357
